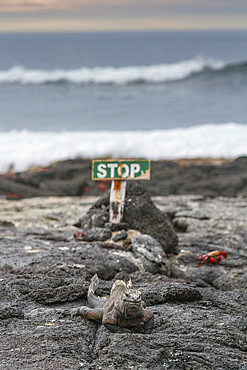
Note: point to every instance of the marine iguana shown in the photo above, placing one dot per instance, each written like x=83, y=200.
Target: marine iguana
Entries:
x=119, y=312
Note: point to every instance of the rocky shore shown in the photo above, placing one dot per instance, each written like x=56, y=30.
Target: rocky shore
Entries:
x=200, y=313
x=209, y=177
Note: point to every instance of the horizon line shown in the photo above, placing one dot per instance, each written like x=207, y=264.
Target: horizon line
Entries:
x=223, y=29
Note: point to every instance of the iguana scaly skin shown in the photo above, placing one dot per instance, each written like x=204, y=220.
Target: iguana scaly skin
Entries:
x=121, y=311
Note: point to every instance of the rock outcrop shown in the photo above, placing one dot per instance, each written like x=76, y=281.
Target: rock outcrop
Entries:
x=140, y=213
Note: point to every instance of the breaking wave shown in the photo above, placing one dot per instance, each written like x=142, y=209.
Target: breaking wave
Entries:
x=25, y=148
x=116, y=75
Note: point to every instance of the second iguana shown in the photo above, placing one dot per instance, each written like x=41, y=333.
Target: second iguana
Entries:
x=121, y=311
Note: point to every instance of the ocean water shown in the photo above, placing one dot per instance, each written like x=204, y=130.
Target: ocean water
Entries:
x=156, y=95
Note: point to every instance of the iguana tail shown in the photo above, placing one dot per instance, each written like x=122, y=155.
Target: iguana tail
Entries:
x=93, y=300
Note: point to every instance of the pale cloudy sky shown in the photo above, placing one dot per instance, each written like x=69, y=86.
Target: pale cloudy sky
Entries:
x=104, y=15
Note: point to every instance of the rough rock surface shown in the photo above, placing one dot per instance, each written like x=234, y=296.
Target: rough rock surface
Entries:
x=200, y=313
x=210, y=177
x=140, y=213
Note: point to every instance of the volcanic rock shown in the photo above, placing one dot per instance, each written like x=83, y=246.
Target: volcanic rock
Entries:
x=140, y=213
x=200, y=313
x=147, y=248
x=98, y=233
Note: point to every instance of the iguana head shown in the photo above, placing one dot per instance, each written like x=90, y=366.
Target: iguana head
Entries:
x=129, y=301
x=132, y=297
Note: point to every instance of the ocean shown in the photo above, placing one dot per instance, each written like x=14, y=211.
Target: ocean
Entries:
x=154, y=95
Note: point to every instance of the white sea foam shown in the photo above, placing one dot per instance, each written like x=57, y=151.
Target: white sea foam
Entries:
x=111, y=75
x=26, y=148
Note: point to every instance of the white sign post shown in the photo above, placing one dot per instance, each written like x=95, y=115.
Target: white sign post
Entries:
x=117, y=196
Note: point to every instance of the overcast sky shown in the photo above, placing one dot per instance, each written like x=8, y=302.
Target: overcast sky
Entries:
x=107, y=15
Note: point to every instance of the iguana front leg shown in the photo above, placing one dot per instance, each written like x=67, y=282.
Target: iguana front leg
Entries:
x=91, y=313
x=86, y=312
x=148, y=320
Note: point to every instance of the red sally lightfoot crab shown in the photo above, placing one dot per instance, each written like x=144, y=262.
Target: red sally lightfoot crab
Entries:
x=211, y=258
x=79, y=235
